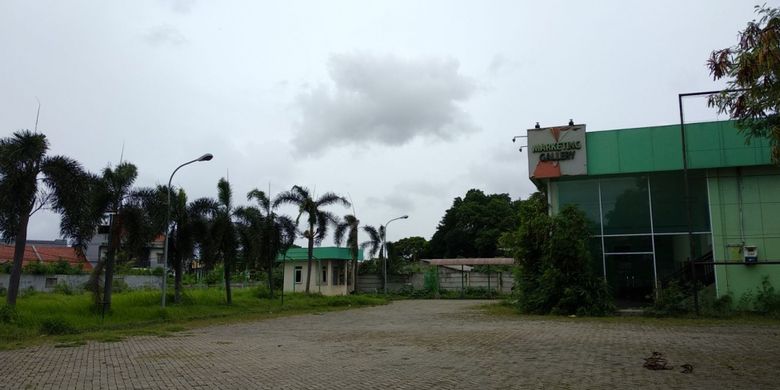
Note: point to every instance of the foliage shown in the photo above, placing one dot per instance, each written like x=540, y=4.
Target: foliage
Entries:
x=31, y=180
x=139, y=311
x=752, y=68
x=473, y=225
x=59, y=268
x=767, y=300
x=318, y=218
x=554, y=275
x=57, y=326
x=671, y=301
x=8, y=314
x=64, y=288
x=431, y=280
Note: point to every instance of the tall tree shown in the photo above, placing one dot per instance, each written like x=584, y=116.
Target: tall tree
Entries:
x=411, y=249
x=136, y=217
x=218, y=238
x=472, y=226
x=31, y=180
x=373, y=245
x=181, y=242
x=350, y=226
x=265, y=233
x=317, y=217
x=752, y=68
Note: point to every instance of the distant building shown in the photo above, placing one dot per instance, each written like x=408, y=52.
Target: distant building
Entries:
x=50, y=252
x=97, y=248
x=331, y=273
x=631, y=185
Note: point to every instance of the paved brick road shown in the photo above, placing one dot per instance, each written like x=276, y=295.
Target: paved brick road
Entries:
x=409, y=345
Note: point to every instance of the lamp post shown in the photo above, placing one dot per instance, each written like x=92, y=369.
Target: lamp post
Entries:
x=384, y=247
x=205, y=157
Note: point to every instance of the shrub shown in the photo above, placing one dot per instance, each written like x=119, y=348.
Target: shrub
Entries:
x=63, y=288
x=119, y=285
x=767, y=301
x=57, y=326
x=671, y=301
x=8, y=314
x=262, y=291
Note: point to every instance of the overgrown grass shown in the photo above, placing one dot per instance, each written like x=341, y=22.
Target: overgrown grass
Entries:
x=69, y=319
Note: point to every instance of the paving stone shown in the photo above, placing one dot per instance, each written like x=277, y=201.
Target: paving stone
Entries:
x=443, y=344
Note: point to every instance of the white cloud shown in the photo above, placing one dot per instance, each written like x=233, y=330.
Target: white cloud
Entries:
x=164, y=35
x=384, y=100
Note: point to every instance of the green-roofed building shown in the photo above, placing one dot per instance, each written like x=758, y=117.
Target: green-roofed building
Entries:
x=334, y=276
x=630, y=184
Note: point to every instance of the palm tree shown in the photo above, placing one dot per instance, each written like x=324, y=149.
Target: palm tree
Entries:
x=374, y=243
x=265, y=233
x=137, y=216
x=23, y=166
x=316, y=216
x=181, y=238
x=350, y=226
x=217, y=234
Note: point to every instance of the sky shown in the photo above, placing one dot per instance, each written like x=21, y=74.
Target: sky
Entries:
x=400, y=106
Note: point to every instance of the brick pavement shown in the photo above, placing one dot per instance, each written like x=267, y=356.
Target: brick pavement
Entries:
x=409, y=345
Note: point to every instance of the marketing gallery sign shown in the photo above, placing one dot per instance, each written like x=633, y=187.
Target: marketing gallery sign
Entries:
x=557, y=151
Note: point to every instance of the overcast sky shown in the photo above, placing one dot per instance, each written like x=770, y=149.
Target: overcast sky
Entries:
x=400, y=105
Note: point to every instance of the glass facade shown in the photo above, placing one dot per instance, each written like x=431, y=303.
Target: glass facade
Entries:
x=638, y=224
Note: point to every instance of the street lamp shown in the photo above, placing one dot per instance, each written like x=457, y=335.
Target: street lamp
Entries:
x=205, y=157
x=384, y=247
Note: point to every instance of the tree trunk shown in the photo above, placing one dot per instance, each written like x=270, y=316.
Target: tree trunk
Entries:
x=19, y=247
x=228, y=293
x=354, y=274
x=108, y=282
x=178, y=270
x=270, y=280
x=311, y=255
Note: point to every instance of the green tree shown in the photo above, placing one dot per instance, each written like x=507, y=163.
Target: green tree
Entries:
x=216, y=231
x=350, y=226
x=317, y=217
x=181, y=237
x=136, y=217
x=264, y=233
x=411, y=249
x=31, y=180
x=752, y=68
x=554, y=267
x=472, y=226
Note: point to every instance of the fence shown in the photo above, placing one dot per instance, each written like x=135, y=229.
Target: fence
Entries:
x=449, y=279
x=47, y=283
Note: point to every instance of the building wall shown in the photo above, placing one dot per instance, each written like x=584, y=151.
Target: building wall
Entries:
x=745, y=209
x=46, y=283
x=317, y=285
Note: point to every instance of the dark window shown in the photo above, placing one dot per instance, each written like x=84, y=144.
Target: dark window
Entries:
x=625, y=205
x=298, y=274
x=584, y=194
x=51, y=282
x=669, y=208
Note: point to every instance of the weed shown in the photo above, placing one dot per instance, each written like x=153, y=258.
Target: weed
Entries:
x=57, y=326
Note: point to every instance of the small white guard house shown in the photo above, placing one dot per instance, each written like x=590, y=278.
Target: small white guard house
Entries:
x=331, y=273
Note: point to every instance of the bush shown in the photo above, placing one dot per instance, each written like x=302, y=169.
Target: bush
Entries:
x=119, y=285
x=64, y=288
x=8, y=314
x=57, y=326
x=767, y=301
x=554, y=274
x=671, y=301
x=61, y=267
x=261, y=291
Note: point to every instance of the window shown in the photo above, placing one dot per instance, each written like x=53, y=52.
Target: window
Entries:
x=338, y=275
x=298, y=274
x=325, y=274
x=51, y=282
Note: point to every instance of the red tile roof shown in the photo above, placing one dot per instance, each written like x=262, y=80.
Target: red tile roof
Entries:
x=46, y=254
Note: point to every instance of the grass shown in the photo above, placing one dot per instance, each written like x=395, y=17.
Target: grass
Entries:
x=67, y=320
x=504, y=309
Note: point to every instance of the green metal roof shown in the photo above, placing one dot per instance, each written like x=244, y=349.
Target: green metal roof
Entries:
x=321, y=253
x=659, y=148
